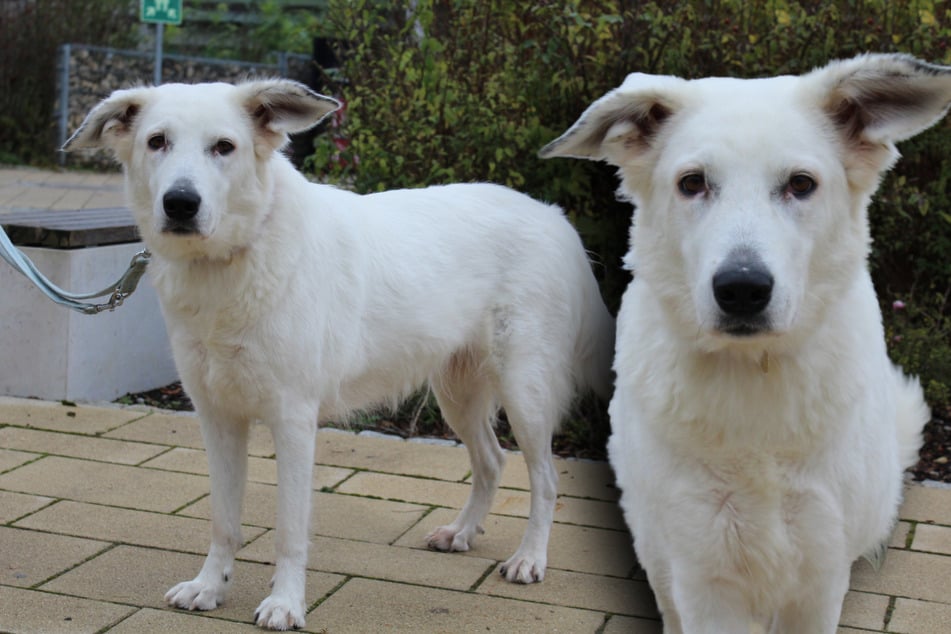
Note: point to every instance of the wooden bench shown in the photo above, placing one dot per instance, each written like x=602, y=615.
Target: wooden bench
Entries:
x=51, y=352
x=70, y=229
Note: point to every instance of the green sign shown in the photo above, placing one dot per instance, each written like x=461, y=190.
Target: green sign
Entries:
x=161, y=11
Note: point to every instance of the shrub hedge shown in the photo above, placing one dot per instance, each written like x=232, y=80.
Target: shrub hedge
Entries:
x=30, y=32
x=469, y=90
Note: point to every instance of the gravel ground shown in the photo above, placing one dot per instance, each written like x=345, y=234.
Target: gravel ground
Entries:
x=934, y=464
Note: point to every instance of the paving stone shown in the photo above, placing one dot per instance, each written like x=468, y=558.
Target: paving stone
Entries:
x=392, y=456
x=920, y=617
x=402, y=608
x=174, y=430
x=127, y=526
x=426, y=440
x=899, y=537
x=14, y=505
x=577, y=548
x=507, y=501
x=351, y=517
x=102, y=483
x=933, y=539
x=10, y=459
x=576, y=478
x=77, y=446
x=183, y=430
x=631, y=625
x=379, y=561
x=864, y=610
x=79, y=419
x=579, y=590
x=583, y=478
x=24, y=610
x=104, y=199
x=27, y=558
x=176, y=622
x=926, y=504
x=901, y=575
x=142, y=576
x=262, y=470
x=75, y=200
x=405, y=489
x=37, y=197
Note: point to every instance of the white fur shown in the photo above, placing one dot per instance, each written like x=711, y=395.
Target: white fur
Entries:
x=756, y=466
x=288, y=302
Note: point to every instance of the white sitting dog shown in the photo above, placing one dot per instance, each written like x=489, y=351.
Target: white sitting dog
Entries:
x=288, y=302
x=759, y=431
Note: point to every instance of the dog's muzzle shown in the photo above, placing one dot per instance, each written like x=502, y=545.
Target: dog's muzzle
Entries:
x=181, y=204
x=743, y=289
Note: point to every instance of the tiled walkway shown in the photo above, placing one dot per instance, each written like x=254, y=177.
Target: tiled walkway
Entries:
x=103, y=508
x=26, y=188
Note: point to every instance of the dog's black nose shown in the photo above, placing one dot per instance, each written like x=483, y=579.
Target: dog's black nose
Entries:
x=743, y=290
x=181, y=203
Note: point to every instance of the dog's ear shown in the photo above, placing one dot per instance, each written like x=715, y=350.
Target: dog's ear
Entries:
x=280, y=107
x=885, y=98
x=877, y=100
x=109, y=125
x=620, y=126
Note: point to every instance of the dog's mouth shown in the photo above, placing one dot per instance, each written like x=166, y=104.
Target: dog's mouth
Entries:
x=180, y=229
x=743, y=328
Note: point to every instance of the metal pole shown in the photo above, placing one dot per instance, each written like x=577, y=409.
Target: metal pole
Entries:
x=66, y=51
x=159, y=34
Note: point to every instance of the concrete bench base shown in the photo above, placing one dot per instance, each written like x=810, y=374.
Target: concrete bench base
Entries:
x=51, y=352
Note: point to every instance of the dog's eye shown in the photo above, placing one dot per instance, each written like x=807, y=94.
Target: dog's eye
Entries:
x=692, y=184
x=157, y=142
x=801, y=185
x=224, y=147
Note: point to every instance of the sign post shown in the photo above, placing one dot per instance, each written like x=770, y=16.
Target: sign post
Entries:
x=160, y=13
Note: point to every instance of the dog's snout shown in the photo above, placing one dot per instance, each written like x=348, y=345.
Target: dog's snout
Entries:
x=181, y=202
x=743, y=290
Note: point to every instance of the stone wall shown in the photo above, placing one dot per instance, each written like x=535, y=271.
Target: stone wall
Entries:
x=88, y=74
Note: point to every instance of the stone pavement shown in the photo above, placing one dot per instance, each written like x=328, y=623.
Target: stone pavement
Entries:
x=23, y=188
x=102, y=508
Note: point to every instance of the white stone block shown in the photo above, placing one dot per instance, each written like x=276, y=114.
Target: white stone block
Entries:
x=52, y=352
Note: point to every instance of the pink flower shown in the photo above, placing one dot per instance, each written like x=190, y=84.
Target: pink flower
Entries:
x=898, y=305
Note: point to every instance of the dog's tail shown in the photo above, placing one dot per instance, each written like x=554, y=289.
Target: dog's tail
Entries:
x=911, y=415
x=594, y=354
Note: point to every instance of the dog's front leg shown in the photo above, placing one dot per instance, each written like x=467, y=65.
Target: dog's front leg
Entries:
x=294, y=441
x=819, y=611
x=226, y=445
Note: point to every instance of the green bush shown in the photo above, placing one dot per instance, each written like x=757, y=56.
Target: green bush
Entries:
x=30, y=32
x=467, y=90
x=250, y=31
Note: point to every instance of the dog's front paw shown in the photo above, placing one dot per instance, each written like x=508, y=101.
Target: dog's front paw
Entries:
x=196, y=595
x=449, y=538
x=524, y=568
x=279, y=613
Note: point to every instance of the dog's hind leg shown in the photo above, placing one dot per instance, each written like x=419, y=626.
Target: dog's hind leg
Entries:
x=294, y=441
x=226, y=445
x=467, y=401
x=533, y=400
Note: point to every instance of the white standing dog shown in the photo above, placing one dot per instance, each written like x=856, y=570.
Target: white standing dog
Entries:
x=759, y=431
x=288, y=302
